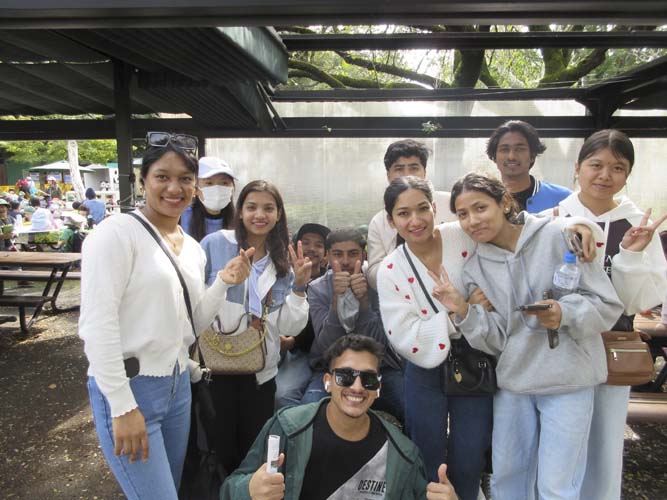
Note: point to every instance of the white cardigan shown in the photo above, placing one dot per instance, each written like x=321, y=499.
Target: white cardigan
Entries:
x=132, y=305
x=416, y=332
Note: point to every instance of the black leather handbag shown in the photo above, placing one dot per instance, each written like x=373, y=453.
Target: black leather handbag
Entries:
x=466, y=371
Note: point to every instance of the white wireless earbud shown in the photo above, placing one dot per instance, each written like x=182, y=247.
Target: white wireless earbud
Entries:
x=378, y=393
x=326, y=386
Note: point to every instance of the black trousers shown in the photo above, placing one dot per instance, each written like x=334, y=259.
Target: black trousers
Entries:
x=242, y=408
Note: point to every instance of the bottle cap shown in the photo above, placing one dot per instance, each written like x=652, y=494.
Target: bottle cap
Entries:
x=570, y=258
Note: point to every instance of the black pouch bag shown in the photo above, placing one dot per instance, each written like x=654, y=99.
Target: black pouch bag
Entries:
x=468, y=372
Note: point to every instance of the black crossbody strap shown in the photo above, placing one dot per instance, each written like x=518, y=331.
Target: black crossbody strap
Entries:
x=419, y=280
x=186, y=294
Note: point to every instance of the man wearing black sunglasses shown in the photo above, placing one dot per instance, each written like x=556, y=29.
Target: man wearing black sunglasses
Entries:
x=337, y=448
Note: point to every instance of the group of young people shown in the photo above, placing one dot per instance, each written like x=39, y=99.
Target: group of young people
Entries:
x=353, y=324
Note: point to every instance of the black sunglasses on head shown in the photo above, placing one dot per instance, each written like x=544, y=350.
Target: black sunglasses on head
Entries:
x=182, y=141
x=345, y=377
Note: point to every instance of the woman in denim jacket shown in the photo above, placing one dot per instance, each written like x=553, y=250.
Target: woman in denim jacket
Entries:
x=244, y=402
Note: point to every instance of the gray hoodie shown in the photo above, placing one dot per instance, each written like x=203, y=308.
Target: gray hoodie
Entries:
x=526, y=364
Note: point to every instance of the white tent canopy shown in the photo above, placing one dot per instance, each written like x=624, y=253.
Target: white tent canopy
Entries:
x=62, y=165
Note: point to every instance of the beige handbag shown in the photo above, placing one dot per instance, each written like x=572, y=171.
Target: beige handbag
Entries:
x=226, y=353
x=629, y=360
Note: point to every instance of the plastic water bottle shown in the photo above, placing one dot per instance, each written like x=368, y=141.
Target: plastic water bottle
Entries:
x=566, y=276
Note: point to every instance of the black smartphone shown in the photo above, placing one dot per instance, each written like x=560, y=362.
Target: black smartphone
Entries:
x=534, y=307
x=131, y=367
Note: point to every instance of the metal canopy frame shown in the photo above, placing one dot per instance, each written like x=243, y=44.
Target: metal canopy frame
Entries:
x=475, y=40
x=180, y=13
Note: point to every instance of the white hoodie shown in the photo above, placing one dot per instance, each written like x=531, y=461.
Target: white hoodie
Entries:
x=640, y=278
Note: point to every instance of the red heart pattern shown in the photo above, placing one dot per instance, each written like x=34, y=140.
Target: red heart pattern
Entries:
x=407, y=297
x=411, y=280
x=424, y=311
x=464, y=254
x=441, y=346
x=390, y=266
x=599, y=244
x=397, y=289
x=414, y=350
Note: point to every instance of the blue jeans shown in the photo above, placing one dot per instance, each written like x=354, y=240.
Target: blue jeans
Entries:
x=165, y=404
x=463, y=448
x=391, y=394
x=539, y=444
x=293, y=376
x=604, y=467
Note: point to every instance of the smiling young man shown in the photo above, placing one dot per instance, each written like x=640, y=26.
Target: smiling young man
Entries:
x=338, y=449
x=513, y=147
x=341, y=302
x=405, y=157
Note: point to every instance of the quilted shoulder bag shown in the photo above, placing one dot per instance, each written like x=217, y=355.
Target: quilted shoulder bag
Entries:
x=466, y=371
x=230, y=353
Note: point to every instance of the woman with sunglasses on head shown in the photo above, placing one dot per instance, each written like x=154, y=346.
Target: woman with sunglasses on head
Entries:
x=633, y=259
x=137, y=329
x=244, y=402
x=543, y=407
x=212, y=208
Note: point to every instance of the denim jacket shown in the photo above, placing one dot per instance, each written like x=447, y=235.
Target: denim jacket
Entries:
x=288, y=312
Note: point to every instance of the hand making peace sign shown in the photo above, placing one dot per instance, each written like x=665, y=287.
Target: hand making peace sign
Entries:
x=637, y=238
x=447, y=294
x=300, y=264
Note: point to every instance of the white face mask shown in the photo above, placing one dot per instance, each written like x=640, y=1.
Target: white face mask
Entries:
x=216, y=197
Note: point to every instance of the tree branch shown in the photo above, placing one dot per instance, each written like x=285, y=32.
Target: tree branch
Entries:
x=315, y=73
x=305, y=70
x=391, y=69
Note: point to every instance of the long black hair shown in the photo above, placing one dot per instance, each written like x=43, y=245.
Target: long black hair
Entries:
x=199, y=214
x=278, y=238
x=489, y=186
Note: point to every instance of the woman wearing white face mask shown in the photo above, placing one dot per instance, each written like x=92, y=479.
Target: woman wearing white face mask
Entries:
x=212, y=209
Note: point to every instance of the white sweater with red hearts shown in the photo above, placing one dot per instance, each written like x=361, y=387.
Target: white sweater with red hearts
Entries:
x=415, y=330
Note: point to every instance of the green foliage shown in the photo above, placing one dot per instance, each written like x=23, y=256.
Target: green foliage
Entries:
x=527, y=68
x=41, y=152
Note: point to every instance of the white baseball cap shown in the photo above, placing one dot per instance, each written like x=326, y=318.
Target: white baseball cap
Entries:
x=210, y=166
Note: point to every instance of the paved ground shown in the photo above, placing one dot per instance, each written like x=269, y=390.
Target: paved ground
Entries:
x=48, y=445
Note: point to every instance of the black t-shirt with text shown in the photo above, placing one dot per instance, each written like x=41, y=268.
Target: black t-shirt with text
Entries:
x=340, y=469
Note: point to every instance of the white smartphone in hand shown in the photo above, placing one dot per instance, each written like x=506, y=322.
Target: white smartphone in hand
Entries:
x=272, y=454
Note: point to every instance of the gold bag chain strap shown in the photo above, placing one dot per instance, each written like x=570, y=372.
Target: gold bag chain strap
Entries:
x=214, y=340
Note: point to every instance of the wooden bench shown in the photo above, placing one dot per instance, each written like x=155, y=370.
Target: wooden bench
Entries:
x=22, y=302
x=29, y=275
x=647, y=407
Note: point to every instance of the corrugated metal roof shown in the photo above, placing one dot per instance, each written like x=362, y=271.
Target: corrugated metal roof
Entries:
x=209, y=73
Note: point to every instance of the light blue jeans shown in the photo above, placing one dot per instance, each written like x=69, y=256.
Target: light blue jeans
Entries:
x=165, y=405
x=540, y=444
x=293, y=377
x=604, y=469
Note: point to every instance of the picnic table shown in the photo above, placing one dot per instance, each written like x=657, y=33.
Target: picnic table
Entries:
x=52, y=268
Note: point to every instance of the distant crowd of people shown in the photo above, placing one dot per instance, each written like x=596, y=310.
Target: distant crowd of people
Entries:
x=358, y=328
x=42, y=211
